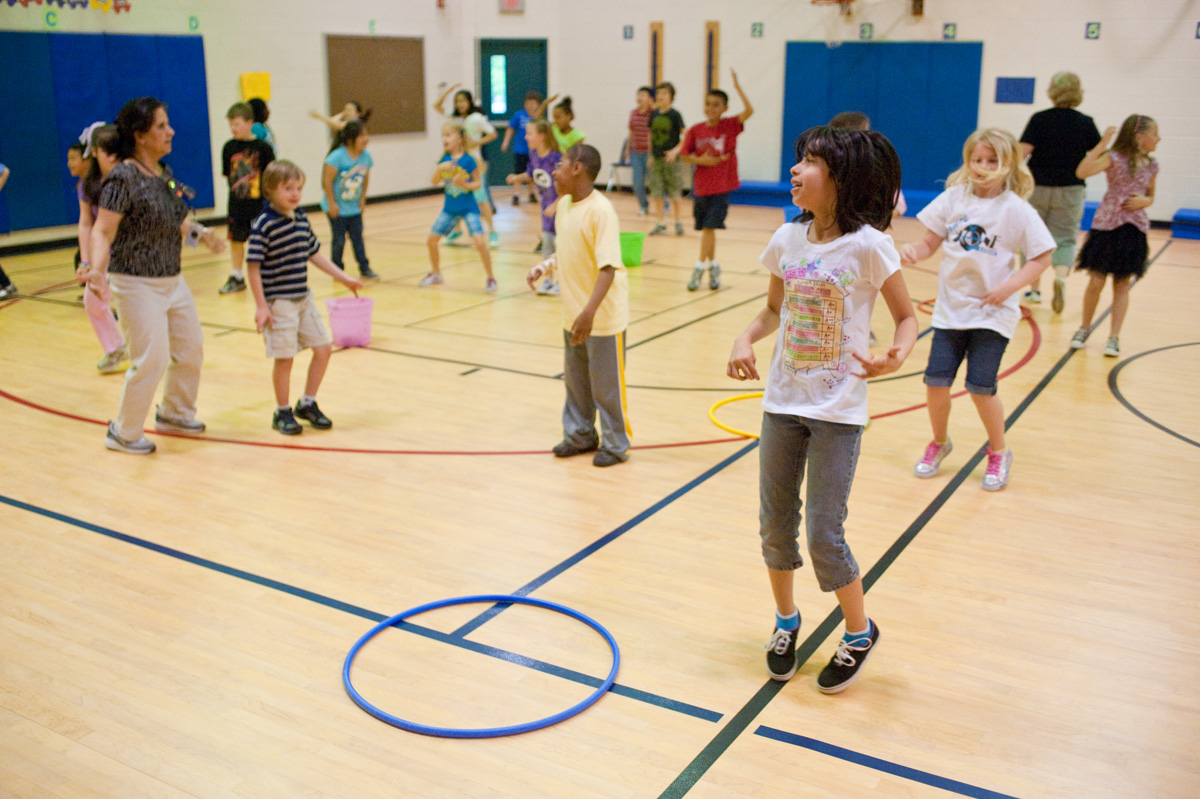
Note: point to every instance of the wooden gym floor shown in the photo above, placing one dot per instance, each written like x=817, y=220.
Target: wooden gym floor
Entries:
x=175, y=625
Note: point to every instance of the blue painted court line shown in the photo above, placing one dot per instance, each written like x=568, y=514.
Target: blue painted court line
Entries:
x=320, y=599
x=850, y=756
x=600, y=543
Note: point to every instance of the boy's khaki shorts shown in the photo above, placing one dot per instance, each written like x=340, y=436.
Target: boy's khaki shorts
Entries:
x=297, y=326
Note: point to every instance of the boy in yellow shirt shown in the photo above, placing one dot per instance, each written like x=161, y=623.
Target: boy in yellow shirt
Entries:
x=595, y=300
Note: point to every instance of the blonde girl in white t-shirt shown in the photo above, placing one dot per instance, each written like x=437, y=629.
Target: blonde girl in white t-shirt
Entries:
x=827, y=268
x=980, y=222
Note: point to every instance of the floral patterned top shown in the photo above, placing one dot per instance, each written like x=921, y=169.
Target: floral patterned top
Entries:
x=1121, y=186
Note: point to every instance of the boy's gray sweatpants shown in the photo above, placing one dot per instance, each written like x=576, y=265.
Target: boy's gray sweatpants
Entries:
x=594, y=374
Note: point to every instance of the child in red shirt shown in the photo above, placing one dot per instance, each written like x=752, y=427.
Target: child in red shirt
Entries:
x=711, y=146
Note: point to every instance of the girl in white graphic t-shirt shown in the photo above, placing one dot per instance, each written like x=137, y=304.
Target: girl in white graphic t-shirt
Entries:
x=827, y=268
x=980, y=222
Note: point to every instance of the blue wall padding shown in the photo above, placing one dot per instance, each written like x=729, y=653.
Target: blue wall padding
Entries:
x=924, y=96
x=1014, y=90
x=79, y=99
x=28, y=144
x=181, y=70
x=68, y=81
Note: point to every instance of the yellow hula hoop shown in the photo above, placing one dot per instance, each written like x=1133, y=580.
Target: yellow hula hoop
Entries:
x=712, y=413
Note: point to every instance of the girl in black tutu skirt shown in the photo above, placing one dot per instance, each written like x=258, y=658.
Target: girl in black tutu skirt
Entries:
x=1116, y=244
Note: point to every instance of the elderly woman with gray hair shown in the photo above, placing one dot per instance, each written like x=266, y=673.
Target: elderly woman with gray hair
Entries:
x=1055, y=141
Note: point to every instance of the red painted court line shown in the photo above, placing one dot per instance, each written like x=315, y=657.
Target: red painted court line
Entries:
x=354, y=450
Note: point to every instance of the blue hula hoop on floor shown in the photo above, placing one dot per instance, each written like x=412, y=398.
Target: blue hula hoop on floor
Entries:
x=486, y=732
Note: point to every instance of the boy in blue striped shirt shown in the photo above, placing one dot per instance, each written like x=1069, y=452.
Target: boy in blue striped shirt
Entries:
x=281, y=245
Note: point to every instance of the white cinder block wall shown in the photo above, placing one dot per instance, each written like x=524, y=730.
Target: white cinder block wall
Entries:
x=1147, y=60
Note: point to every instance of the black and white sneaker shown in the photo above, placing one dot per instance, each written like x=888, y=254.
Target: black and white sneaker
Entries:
x=284, y=422
x=781, y=654
x=233, y=285
x=847, y=660
x=8, y=291
x=312, y=414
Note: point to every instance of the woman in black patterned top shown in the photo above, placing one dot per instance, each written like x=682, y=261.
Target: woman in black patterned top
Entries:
x=135, y=255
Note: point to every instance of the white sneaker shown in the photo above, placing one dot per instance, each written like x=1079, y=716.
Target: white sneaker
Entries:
x=1079, y=340
x=714, y=276
x=1113, y=348
x=143, y=446
x=1060, y=295
x=114, y=362
x=697, y=276
x=432, y=279
x=548, y=288
x=1033, y=296
x=164, y=425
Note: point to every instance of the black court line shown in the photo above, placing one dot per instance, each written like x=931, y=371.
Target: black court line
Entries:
x=742, y=719
x=346, y=607
x=694, y=321
x=1112, y=386
x=849, y=755
x=603, y=541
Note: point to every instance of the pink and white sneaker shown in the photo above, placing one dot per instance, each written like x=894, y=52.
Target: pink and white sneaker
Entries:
x=998, y=463
x=931, y=461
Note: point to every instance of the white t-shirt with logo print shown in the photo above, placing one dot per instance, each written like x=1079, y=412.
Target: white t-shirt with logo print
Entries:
x=981, y=239
x=829, y=293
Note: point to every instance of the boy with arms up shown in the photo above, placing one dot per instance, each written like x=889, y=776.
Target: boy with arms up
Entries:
x=595, y=299
x=281, y=245
x=711, y=146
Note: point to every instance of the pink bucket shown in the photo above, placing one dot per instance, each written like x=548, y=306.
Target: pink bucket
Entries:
x=350, y=320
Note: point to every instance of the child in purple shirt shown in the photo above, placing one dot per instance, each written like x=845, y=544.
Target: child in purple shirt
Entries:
x=543, y=158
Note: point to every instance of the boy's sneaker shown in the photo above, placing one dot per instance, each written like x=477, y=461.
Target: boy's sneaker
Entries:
x=312, y=414
x=714, y=276
x=143, y=446
x=8, y=291
x=658, y=229
x=1113, y=348
x=114, y=362
x=453, y=236
x=516, y=200
x=565, y=449
x=781, y=654
x=697, y=276
x=847, y=661
x=1079, y=340
x=232, y=285
x=931, y=461
x=285, y=422
x=367, y=273
x=490, y=286
x=164, y=425
x=1033, y=296
x=493, y=240
x=998, y=463
x=548, y=288
x=432, y=279
x=1059, y=300
x=678, y=228
x=643, y=211
x=605, y=458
